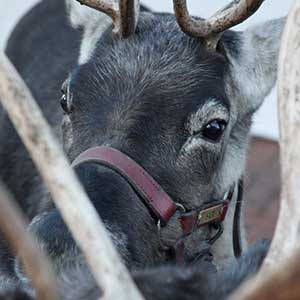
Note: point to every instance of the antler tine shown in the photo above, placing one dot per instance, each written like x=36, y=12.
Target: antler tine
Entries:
x=234, y=13
x=123, y=14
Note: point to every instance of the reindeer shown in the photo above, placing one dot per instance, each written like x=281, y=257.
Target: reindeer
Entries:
x=173, y=96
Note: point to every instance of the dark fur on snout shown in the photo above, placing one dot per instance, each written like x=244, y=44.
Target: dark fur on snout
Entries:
x=200, y=282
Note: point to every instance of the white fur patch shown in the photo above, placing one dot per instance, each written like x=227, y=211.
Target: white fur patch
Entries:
x=81, y=15
x=93, y=23
x=90, y=38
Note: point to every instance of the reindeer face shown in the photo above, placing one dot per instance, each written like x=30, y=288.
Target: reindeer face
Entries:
x=160, y=98
x=175, y=106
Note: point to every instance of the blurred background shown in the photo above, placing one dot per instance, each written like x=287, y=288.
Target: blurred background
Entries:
x=262, y=176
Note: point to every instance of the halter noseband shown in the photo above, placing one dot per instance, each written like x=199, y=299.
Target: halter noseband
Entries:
x=157, y=200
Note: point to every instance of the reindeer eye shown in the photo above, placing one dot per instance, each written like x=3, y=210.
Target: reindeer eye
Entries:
x=214, y=130
x=64, y=103
x=65, y=99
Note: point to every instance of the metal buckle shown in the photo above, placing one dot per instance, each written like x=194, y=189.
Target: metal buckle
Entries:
x=180, y=206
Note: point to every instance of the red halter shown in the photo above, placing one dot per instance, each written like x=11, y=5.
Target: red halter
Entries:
x=157, y=200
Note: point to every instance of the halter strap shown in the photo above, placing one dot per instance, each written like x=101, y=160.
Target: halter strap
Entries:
x=153, y=195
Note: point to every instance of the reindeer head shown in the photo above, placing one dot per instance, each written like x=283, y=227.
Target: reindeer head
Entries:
x=179, y=104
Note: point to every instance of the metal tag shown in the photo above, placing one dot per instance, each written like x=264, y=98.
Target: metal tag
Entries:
x=210, y=214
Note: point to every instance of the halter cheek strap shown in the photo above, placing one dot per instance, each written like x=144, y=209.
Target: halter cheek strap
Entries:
x=145, y=185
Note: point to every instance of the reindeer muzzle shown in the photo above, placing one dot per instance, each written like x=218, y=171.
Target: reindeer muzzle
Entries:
x=158, y=201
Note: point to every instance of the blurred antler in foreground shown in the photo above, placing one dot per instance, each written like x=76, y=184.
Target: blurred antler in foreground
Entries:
x=280, y=283
x=279, y=278
x=68, y=194
x=287, y=233
x=13, y=225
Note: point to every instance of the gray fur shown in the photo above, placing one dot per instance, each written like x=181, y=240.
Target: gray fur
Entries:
x=150, y=96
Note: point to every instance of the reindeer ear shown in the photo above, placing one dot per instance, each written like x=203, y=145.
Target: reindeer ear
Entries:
x=253, y=56
x=81, y=16
x=92, y=22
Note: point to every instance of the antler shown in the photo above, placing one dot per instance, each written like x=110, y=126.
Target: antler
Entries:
x=234, y=13
x=287, y=235
x=124, y=14
x=13, y=224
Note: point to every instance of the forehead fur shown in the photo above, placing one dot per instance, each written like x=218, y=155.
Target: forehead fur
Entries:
x=159, y=61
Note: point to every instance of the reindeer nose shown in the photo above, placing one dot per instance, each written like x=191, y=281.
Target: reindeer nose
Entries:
x=124, y=214
x=122, y=211
x=113, y=199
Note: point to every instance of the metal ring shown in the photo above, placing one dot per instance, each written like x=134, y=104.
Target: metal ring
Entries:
x=180, y=206
x=159, y=225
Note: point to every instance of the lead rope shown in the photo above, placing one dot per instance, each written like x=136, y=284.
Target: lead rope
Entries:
x=236, y=234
